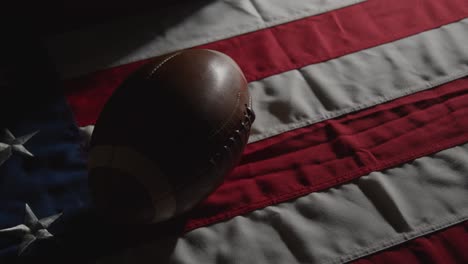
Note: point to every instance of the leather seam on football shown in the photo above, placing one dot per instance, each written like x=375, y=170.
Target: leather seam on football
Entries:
x=161, y=64
x=242, y=133
x=220, y=128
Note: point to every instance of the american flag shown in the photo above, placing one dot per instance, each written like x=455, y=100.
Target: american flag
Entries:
x=358, y=152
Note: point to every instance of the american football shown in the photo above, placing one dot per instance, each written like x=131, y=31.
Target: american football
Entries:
x=168, y=135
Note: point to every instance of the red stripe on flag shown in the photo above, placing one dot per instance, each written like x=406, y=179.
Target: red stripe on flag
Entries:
x=293, y=45
x=443, y=247
x=335, y=151
x=87, y=95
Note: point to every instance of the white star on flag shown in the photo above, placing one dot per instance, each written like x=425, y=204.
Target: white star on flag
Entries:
x=33, y=229
x=11, y=144
x=86, y=133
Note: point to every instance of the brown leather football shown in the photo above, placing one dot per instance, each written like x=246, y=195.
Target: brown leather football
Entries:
x=168, y=136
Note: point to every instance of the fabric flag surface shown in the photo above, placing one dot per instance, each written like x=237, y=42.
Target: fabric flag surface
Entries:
x=359, y=152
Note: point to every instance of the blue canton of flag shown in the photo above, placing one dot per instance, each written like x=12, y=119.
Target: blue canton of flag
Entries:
x=43, y=176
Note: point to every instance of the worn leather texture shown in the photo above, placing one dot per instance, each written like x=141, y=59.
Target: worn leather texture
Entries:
x=187, y=115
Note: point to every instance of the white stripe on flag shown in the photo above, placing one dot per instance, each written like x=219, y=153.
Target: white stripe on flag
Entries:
x=363, y=79
x=338, y=225
x=104, y=46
